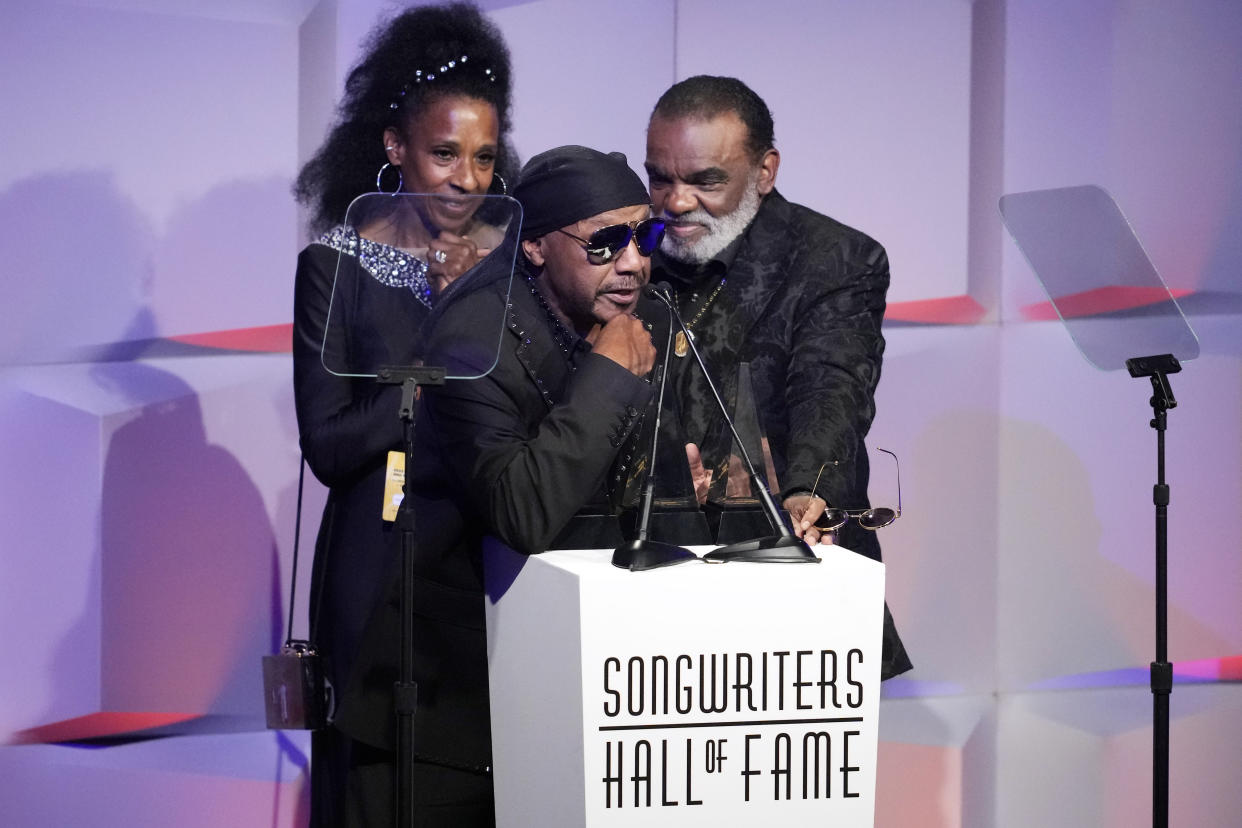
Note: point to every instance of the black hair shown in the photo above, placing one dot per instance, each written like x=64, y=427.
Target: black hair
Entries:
x=388, y=88
x=706, y=96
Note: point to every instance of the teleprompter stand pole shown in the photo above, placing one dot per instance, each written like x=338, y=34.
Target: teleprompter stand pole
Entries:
x=1158, y=368
x=405, y=691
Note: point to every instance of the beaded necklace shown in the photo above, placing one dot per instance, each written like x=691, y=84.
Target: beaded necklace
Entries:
x=561, y=335
x=681, y=346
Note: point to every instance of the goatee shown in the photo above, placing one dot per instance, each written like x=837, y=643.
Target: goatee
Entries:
x=720, y=231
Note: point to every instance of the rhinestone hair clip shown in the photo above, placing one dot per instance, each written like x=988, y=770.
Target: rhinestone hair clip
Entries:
x=420, y=76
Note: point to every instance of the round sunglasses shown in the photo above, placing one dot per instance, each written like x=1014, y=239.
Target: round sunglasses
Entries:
x=606, y=242
x=874, y=518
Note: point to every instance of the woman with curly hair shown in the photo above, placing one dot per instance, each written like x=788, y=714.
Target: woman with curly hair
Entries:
x=426, y=110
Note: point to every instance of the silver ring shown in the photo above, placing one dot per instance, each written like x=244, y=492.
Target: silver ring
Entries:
x=440, y=256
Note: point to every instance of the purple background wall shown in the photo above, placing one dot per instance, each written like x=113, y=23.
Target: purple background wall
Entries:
x=148, y=465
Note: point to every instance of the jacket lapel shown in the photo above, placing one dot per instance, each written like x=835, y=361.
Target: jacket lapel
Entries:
x=754, y=278
x=542, y=361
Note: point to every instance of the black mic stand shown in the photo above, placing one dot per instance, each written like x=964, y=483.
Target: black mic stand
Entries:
x=1157, y=368
x=405, y=691
x=783, y=547
x=643, y=553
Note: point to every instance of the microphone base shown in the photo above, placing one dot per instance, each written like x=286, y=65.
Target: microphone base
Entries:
x=638, y=555
x=774, y=549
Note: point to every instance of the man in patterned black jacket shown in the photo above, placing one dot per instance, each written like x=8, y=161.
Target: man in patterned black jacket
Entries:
x=761, y=281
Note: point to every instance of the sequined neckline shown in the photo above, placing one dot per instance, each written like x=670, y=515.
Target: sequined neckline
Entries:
x=386, y=264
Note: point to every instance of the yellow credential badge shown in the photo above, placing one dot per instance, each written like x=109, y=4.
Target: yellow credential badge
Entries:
x=394, y=483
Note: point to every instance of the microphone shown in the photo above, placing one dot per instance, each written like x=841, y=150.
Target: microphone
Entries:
x=784, y=546
x=643, y=553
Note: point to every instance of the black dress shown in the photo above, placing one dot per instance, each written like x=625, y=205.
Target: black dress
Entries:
x=378, y=298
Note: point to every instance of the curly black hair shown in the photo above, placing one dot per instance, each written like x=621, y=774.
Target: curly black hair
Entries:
x=381, y=92
x=706, y=96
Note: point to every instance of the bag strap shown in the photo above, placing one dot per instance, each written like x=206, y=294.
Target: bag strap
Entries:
x=297, y=536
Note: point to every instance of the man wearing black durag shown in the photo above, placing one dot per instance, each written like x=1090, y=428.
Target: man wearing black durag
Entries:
x=514, y=454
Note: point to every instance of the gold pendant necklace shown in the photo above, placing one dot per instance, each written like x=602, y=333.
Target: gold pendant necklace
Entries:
x=681, y=344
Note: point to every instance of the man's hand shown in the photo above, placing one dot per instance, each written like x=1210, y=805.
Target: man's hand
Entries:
x=804, y=510
x=702, y=477
x=626, y=341
x=449, y=256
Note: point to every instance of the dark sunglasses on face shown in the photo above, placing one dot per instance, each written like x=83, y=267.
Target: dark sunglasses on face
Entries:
x=606, y=242
x=874, y=518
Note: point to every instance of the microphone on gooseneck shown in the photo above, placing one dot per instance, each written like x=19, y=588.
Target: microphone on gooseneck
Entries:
x=784, y=546
x=643, y=553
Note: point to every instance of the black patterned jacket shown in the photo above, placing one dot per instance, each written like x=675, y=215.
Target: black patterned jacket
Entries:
x=803, y=304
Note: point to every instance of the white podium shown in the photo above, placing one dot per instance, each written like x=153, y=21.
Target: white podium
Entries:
x=729, y=694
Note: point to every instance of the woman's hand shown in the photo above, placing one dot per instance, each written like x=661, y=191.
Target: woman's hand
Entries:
x=448, y=257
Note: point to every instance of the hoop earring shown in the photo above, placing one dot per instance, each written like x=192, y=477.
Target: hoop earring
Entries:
x=504, y=188
x=379, y=187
